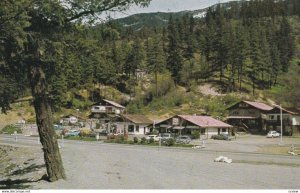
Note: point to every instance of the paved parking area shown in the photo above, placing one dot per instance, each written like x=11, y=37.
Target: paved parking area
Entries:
x=92, y=165
x=120, y=167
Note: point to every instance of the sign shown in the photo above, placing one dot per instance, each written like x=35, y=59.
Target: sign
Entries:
x=175, y=121
x=73, y=120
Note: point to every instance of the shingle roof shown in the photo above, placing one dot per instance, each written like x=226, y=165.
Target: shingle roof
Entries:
x=258, y=105
x=204, y=121
x=114, y=103
x=295, y=111
x=140, y=119
x=289, y=110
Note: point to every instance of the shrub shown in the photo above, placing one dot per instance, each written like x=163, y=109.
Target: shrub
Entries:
x=10, y=129
x=31, y=120
x=135, y=140
x=143, y=140
x=154, y=132
x=169, y=142
x=84, y=133
x=151, y=140
x=111, y=136
x=120, y=139
x=195, y=134
x=131, y=142
x=219, y=137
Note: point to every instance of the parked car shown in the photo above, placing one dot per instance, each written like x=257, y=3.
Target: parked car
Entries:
x=103, y=132
x=165, y=136
x=221, y=136
x=58, y=127
x=72, y=133
x=183, y=139
x=154, y=137
x=272, y=134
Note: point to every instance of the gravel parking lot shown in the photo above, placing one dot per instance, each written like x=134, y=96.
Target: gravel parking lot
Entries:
x=92, y=165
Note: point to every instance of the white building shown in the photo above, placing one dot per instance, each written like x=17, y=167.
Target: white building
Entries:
x=134, y=124
x=106, y=107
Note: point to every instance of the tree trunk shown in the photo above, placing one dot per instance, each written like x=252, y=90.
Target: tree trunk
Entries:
x=253, y=88
x=44, y=121
x=156, y=86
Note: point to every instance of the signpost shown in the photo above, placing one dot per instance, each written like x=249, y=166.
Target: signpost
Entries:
x=97, y=136
x=16, y=137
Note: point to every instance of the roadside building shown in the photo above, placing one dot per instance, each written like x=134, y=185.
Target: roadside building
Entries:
x=249, y=116
x=186, y=124
x=134, y=124
x=257, y=117
x=106, y=107
x=104, y=113
x=290, y=120
x=72, y=120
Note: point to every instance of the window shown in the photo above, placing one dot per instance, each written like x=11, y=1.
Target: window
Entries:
x=243, y=105
x=202, y=131
x=235, y=113
x=130, y=128
x=271, y=117
x=223, y=130
x=137, y=129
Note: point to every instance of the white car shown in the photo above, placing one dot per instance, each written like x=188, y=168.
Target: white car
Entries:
x=155, y=137
x=272, y=134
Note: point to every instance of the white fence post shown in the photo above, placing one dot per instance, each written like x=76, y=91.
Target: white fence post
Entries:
x=16, y=136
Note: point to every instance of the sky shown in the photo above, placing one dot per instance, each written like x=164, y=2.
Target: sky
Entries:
x=168, y=6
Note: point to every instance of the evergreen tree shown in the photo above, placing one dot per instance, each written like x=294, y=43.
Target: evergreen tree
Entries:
x=174, y=57
x=40, y=30
x=155, y=58
x=285, y=44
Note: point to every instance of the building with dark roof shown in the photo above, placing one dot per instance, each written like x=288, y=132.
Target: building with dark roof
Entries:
x=134, y=124
x=249, y=116
x=290, y=120
x=106, y=107
x=257, y=117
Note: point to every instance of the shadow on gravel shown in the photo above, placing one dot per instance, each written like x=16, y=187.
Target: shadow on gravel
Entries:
x=17, y=184
x=29, y=169
x=21, y=183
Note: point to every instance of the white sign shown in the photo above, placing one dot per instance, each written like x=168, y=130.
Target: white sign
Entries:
x=175, y=121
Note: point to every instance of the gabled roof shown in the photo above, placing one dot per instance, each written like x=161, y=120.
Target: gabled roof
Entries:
x=110, y=102
x=288, y=110
x=258, y=105
x=114, y=103
x=138, y=119
x=204, y=121
x=295, y=111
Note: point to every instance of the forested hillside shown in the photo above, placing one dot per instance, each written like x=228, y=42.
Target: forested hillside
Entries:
x=247, y=47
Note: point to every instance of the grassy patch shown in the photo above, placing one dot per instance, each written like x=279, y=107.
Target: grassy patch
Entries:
x=10, y=129
x=274, y=150
x=266, y=163
x=80, y=138
x=146, y=143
